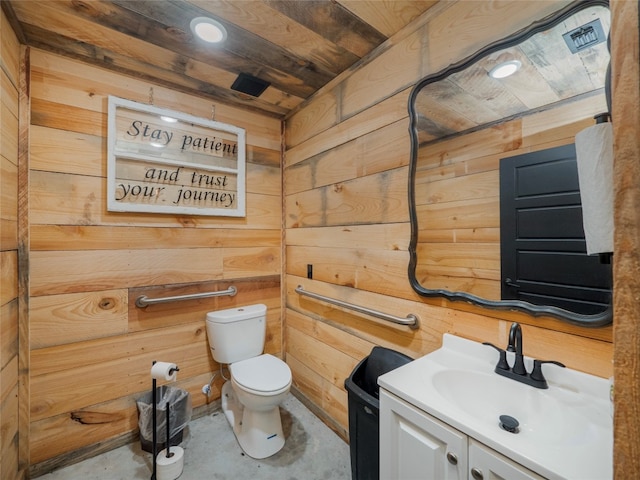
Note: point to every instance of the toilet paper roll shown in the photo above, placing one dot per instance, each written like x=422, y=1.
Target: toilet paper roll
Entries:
x=164, y=371
x=170, y=468
x=594, y=151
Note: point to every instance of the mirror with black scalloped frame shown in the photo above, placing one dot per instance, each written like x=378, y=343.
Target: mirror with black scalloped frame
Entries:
x=463, y=121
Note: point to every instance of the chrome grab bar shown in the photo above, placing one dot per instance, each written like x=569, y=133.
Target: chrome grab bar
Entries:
x=143, y=301
x=411, y=320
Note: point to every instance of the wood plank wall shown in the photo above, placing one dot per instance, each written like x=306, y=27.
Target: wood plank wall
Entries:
x=346, y=214
x=9, y=398
x=626, y=129
x=91, y=347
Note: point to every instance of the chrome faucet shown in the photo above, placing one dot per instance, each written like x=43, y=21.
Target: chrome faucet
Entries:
x=515, y=345
x=519, y=372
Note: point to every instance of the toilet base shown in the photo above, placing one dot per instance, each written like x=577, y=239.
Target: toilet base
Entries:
x=258, y=433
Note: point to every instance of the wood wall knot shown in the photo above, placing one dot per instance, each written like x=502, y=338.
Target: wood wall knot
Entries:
x=80, y=6
x=107, y=303
x=93, y=418
x=187, y=222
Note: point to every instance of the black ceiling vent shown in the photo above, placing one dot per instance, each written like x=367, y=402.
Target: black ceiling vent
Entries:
x=585, y=36
x=250, y=85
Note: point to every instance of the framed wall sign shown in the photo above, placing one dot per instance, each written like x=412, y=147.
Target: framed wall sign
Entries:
x=162, y=161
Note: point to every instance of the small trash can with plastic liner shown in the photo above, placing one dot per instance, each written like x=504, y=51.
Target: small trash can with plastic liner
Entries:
x=364, y=410
x=179, y=416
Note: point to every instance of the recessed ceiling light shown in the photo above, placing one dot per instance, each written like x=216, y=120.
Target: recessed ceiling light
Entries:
x=208, y=29
x=505, y=69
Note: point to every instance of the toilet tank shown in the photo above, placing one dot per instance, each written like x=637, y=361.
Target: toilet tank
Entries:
x=237, y=333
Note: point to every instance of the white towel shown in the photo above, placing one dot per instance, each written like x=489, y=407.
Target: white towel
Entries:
x=594, y=150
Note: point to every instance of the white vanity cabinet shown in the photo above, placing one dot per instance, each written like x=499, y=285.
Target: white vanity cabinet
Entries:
x=440, y=419
x=415, y=445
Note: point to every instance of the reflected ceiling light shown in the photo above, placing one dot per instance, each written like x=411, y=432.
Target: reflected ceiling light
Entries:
x=168, y=119
x=208, y=29
x=505, y=69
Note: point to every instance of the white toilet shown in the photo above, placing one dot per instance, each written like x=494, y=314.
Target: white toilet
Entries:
x=259, y=382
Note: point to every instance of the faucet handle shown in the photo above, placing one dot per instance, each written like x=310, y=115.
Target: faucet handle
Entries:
x=536, y=373
x=502, y=360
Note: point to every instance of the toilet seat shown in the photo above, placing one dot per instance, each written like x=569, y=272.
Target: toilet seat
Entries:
x=262, y=375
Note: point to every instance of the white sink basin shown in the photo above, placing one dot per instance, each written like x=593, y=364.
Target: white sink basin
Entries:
x=565, y=431
x=486, y=397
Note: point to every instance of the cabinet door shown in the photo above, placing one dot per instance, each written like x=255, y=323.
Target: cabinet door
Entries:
x=487, y=464
x=414, y=445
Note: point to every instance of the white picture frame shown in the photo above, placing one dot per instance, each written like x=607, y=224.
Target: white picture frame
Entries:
x=164, y=161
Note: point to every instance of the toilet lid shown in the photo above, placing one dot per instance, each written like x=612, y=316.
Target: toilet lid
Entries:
x=265, y=373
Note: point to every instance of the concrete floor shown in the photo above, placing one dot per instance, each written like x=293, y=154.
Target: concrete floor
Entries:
x=312, y=452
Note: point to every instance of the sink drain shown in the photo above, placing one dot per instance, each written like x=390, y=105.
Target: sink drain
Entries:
x=509, y=424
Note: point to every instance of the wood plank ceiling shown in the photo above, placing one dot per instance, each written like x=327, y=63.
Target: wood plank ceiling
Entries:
x=298, y=46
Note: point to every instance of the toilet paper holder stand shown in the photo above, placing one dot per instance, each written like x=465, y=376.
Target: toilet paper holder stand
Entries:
x=154, y=409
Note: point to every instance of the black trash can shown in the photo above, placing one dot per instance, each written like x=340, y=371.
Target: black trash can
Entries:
x=364, y=408
x=179, y=415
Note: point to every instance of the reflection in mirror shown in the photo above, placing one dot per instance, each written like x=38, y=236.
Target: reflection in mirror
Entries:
x=464, y=122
